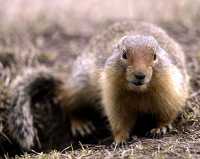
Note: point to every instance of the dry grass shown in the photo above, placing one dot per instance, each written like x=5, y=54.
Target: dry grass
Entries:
x=63, y=28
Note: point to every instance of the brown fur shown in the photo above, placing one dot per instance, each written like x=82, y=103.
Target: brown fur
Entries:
x=99, y=75
x=161, y=98
x=122, y=106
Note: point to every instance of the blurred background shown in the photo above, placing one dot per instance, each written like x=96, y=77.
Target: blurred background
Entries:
x=63, y=27
x=51, y=18
x=76, y=14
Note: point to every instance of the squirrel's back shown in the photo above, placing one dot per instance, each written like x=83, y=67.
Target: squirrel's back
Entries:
x=101, y=44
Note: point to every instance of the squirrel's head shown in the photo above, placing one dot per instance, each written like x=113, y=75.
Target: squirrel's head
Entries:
x=138, y=56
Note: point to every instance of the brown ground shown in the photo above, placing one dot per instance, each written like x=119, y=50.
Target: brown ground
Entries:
x=63, y=28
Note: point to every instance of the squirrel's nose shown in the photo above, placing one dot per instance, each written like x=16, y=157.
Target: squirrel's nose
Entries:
x=140, y=76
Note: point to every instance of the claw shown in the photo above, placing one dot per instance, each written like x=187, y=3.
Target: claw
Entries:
x=169, y=127
x=87, y=129
x=159, y=132
x=163, y=130
x=116, y=145
x=82, y=128
x=121, y=137
x=73, y=130
x=91, y=126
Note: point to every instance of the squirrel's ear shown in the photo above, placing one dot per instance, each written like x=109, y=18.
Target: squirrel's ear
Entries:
x=121, y=40
x=119, y=44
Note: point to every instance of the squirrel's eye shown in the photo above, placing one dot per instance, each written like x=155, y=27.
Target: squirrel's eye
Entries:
x=154, y=57
x=124, y=54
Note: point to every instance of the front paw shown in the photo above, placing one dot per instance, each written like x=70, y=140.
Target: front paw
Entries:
x=159, y=132
x=121, y=137
x=81, y=127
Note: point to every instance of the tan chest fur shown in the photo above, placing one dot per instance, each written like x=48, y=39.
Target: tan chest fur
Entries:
x=164, y=97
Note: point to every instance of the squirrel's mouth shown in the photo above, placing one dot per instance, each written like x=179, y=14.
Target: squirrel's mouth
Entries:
x=137, y=86
x=137, y=82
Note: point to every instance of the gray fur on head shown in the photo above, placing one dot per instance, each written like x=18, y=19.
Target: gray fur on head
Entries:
x=138, y=41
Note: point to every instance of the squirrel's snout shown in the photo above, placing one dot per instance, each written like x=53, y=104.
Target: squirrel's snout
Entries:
x=139, y=79
x=140, y=76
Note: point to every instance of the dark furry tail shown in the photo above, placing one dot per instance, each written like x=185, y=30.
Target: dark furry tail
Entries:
x=31, y=83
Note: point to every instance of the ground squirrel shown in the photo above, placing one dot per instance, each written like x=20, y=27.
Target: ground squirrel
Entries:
x=144, y=72
x=133, y=68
